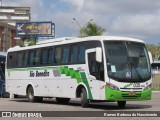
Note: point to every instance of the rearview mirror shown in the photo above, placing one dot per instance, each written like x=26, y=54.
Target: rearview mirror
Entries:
x=99, y=54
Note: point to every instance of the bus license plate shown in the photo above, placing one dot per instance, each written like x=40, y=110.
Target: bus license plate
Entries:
x=132, y=93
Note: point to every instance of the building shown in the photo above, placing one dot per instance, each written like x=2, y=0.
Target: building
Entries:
x=7, y=36
x=11, y=15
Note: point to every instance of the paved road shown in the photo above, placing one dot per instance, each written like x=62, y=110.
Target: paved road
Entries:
x=21, y=104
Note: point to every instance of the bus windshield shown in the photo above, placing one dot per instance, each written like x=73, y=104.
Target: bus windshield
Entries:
x=127, y=61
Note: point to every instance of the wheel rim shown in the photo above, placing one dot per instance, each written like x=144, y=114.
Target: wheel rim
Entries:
x=30, y=94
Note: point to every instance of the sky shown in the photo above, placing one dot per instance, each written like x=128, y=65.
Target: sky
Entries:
x=130, y=18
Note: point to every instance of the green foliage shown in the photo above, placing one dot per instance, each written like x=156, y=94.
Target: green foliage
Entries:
x=155, y=51
x=91, y=30
x=32, y=42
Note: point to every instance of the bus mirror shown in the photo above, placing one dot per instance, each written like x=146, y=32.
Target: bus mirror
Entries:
x=99, y=54
x=150, y=57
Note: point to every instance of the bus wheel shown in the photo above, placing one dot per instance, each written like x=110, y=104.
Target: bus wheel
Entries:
x=121, y=104
x=63, y=100
x=30, y=95
x=84, y=100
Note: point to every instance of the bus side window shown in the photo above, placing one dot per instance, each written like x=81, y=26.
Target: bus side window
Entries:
x=92, y=64
x=25, y=59
x=96, y=69
x=74, y=54
x=81, y=57
x=11, y=60
x=31, y=58
x=57, y=57
x=65, y=54
x=50, y=57
x=19, y=59
x=44, y=56
x=37, y=57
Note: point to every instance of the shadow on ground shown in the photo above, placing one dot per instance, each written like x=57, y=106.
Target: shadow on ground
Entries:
x=98, y=106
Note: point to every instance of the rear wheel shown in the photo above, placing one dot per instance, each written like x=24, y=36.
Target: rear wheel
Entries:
x=63, y=100
x=121, y=104
x=30, y=95
x=84, y=100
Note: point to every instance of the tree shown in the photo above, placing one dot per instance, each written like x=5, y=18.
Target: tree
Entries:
x=155, y=51
x=32, y=41
x=91, y=30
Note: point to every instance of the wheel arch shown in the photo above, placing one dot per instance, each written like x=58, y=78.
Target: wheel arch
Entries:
x=79, y=88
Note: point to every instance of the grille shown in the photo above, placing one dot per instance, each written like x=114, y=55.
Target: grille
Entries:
x=127, y=96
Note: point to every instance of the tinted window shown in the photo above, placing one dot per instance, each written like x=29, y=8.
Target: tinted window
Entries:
x=50, y=58
x=58, y=52
x=11, y=60
x=44, y=56
x=25, y=58
x=81, y=56
x=31, y=58
x=19, y=59
x=37, y=57
x=65, y=55
x=74, y=53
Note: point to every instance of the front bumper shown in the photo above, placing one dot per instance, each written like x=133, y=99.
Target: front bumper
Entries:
x=116, y=95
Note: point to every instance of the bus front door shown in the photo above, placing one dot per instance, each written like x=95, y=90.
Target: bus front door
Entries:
x=92, y=72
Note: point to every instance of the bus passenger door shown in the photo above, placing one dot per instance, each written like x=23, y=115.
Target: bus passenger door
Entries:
x=92, y=73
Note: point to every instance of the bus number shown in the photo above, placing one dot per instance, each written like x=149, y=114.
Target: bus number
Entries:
x=136, y=85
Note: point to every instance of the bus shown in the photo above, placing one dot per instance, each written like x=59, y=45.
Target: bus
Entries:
x=97, y=68
x=155, y=67
x=2, y=73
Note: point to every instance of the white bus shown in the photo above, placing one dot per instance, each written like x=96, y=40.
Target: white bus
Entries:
x=98, y=68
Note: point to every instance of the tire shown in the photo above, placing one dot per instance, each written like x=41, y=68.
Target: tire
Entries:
x=121, y=104
x=30, y=95
x=62, y=100
x=84, y=100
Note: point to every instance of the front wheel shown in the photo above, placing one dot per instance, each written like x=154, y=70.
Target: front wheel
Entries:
x=121, y=104
x=30, y=95
x=84, y=100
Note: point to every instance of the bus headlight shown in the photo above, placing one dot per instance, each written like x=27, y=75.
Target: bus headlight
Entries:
x=147, y=87
x=112, y=86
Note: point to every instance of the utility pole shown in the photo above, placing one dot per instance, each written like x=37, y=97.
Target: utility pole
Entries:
x=80, y=27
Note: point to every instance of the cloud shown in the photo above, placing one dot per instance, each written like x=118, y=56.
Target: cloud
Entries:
x=133, y=18
x=76, y=3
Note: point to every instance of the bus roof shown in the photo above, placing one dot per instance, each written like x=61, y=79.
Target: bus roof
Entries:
x=64, y=40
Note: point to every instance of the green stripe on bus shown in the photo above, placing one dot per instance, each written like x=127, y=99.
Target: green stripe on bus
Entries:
x=79, y=76
x=72, y=73
x=85, y=81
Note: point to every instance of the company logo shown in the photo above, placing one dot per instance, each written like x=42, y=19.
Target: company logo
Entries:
x=6, y=114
